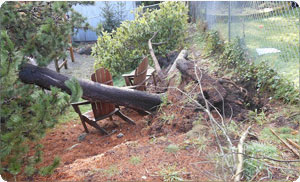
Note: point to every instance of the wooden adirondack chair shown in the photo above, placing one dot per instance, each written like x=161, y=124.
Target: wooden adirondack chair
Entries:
x=138, y=77
x=100, y=110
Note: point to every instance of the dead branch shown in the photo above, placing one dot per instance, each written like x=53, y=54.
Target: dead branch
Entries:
x=161, y=76
x=293, y=143
x=266, y=158
x=239, y=168
x=212, y=119
x=286, y=144
x=182, y=55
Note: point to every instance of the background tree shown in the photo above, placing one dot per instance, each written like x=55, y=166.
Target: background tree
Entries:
x=113, y=15
x=40, y=31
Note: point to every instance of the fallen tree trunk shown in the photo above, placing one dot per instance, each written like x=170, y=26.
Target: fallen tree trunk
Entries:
x=92, y=91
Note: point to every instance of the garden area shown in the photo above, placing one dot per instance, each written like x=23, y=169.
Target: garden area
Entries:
x=161, y=97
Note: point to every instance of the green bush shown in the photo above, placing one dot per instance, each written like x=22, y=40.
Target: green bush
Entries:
x=213, y=43
x=265, y=78
x=123, y=48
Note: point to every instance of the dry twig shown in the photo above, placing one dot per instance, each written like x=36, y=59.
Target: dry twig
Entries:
x=286, y=144
x=239, y=168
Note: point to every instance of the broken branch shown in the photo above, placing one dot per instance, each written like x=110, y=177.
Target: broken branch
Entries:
x=156, y=64
x=239, y=168
x=286, y=144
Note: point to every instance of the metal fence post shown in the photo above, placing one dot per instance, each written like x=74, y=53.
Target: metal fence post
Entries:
x=229, y=21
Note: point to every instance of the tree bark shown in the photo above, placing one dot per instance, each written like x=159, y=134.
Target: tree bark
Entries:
x=92, y=91
x=172, y=73
x=182, y=56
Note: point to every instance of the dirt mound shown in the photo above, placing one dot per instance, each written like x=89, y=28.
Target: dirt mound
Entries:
x=224, y=97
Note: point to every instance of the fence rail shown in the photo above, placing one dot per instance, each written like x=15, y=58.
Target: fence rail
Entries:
x=270, y=29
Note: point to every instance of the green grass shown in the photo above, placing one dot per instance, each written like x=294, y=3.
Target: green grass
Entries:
x=171, y=173
x=253, y=166
x=135, y=160
x=280, y=32
x=172, y=148
x=112, y=170
x=284, y=132
x=71, y=115
x=119, y=81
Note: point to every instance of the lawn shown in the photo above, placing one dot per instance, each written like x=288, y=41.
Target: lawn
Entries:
x=280, y=31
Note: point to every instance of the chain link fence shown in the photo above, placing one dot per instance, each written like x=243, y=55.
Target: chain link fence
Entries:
x=270, y=29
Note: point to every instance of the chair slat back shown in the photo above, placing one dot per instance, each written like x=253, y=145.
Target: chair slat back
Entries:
x=103, y=76
x=140, y=75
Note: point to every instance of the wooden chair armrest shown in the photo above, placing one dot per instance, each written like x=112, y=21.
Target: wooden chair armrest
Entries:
x=77, y=104
x=128, y=75
x=131, y=87
x=80, y=103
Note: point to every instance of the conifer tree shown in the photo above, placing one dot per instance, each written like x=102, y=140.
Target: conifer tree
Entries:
x=36, y=30
x=113, y=15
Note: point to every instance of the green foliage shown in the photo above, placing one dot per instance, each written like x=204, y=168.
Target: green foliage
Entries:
x=75, y=88
x=38, y=30
x=167, y=118
x=196, y=142
x=49, y=169
x=264, y=77
x=259, y=118
x=283, y=132
x=253, y=166
x=135, y=160
x=171, y=173
x=121, y=50
x=112, y=170
x=172, y=148
x=213, y=43
x=112, y=16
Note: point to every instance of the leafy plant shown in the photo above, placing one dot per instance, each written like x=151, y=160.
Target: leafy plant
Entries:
x=198, y=143
x=259, y=118
x=172, y=148
x=213, y=43
x=135, y=160
x=49, y=169
x=171, y=173
x=253, y=166
x=121, y=50
x=167, y=118
x=112, y=170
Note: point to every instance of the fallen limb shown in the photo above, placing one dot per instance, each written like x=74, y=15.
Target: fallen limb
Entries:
x=92, y=91
x=240, y=157
x=286, y=144
x=267, y=158
x=182, y=55
x=293, y=143
x=160, y=74
x=172, y=73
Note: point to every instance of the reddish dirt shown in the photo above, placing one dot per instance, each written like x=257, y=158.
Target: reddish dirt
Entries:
x=93, y=157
